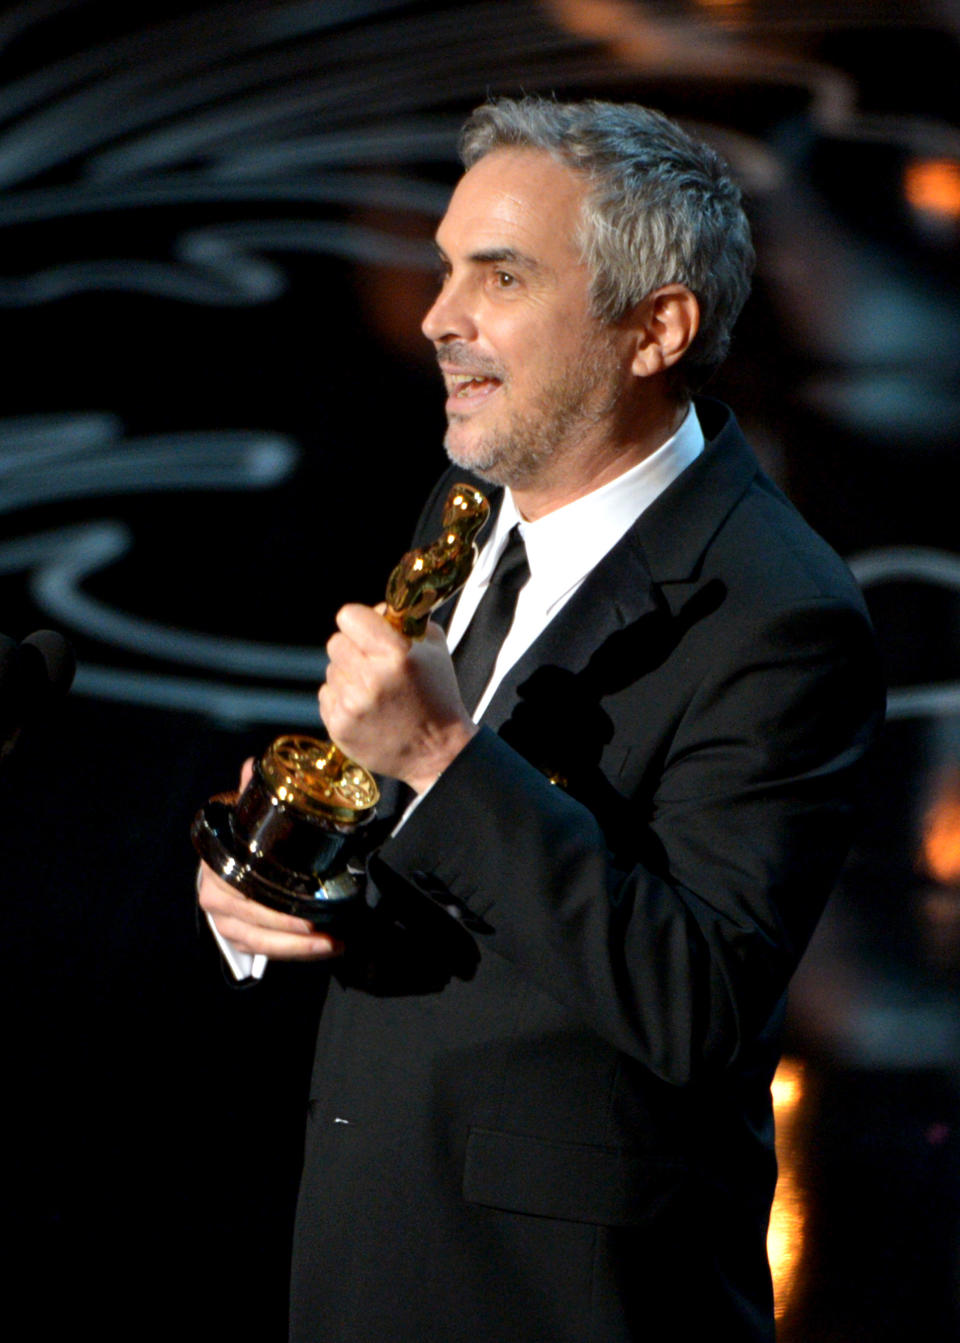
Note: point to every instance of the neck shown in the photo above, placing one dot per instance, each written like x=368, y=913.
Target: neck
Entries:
x=570, y=476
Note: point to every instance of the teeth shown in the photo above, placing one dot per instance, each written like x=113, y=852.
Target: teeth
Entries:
x=464, y=381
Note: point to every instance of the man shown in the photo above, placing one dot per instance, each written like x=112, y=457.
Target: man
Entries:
x=540, y=1107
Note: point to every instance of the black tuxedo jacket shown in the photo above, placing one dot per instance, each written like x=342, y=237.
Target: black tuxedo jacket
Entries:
x=540, y=1108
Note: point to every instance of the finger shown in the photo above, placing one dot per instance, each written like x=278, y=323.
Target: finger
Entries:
x=334, y=698
x=278, y=946
x=246, y=772
x=345, y=655
x=252, y=927
x=220, y=899
x=342, y=694
x=370, y=631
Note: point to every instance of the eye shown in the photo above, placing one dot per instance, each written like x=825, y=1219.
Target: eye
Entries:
x=504, y=279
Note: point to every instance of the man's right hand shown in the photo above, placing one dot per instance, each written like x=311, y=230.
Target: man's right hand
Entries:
x=254, y=928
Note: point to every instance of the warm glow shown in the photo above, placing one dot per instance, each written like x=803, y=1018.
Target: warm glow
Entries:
x=598, y=19
x=788, y=1215
x=941, y=832
x=787, y=1087
x=933, y=185
x=629, y=32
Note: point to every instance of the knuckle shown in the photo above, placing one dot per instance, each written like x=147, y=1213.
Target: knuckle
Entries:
x=208, y=894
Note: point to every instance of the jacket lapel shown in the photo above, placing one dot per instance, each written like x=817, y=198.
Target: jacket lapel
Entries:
x=649, y=574
x=616, y=594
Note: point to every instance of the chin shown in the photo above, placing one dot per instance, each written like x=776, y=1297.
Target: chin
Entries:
x=498, y=458
x=487, y=468
x=471, y=455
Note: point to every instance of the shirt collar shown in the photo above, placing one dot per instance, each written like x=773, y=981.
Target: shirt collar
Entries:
x=563, y=546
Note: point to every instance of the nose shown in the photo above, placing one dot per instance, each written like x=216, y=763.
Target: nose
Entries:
x=450, y=317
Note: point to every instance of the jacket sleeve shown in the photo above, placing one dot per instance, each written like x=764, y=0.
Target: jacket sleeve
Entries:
x=679, y=955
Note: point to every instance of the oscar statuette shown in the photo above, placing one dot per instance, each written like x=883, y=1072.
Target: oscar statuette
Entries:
x=287, y=839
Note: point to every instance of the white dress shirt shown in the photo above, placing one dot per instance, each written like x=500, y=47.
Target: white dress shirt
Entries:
x=562, y=548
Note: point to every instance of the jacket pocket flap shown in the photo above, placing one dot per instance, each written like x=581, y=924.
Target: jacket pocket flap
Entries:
x=575, y=1182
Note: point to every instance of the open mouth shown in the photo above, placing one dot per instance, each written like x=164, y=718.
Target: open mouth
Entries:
x=465, y=390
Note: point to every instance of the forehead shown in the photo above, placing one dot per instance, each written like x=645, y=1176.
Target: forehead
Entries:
x=520, y=198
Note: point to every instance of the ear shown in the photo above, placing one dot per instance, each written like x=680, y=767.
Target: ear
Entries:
x=665, y=323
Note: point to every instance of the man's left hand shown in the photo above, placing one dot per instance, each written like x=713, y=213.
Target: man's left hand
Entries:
x=392, y=703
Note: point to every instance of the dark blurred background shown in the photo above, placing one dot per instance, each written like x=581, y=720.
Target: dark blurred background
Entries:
x=218, y=419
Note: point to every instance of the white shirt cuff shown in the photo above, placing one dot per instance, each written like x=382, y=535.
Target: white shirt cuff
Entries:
x=243, y=964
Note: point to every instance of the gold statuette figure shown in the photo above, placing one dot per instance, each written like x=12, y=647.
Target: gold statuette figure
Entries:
x=285, y=839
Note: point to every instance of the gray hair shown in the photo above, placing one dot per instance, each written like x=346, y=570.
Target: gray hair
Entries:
x=661, y=208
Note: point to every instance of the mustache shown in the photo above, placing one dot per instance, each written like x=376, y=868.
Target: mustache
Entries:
x=465, y=360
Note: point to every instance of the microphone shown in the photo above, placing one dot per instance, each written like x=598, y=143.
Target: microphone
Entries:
x=33, y=675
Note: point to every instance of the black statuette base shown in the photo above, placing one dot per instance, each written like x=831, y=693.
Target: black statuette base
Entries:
x=331, y=900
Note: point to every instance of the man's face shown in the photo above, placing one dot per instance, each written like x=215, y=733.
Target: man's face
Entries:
x=531, y=376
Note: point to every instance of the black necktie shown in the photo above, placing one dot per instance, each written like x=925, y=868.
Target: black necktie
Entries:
x=476, y=653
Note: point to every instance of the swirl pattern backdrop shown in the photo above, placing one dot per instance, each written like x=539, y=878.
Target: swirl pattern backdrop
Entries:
x=218, y=421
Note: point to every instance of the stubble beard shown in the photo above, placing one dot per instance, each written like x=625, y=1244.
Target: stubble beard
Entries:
x=561, y=419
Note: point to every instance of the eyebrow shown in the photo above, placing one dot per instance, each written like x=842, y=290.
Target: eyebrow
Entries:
x=510, y=255
x=499, y=255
